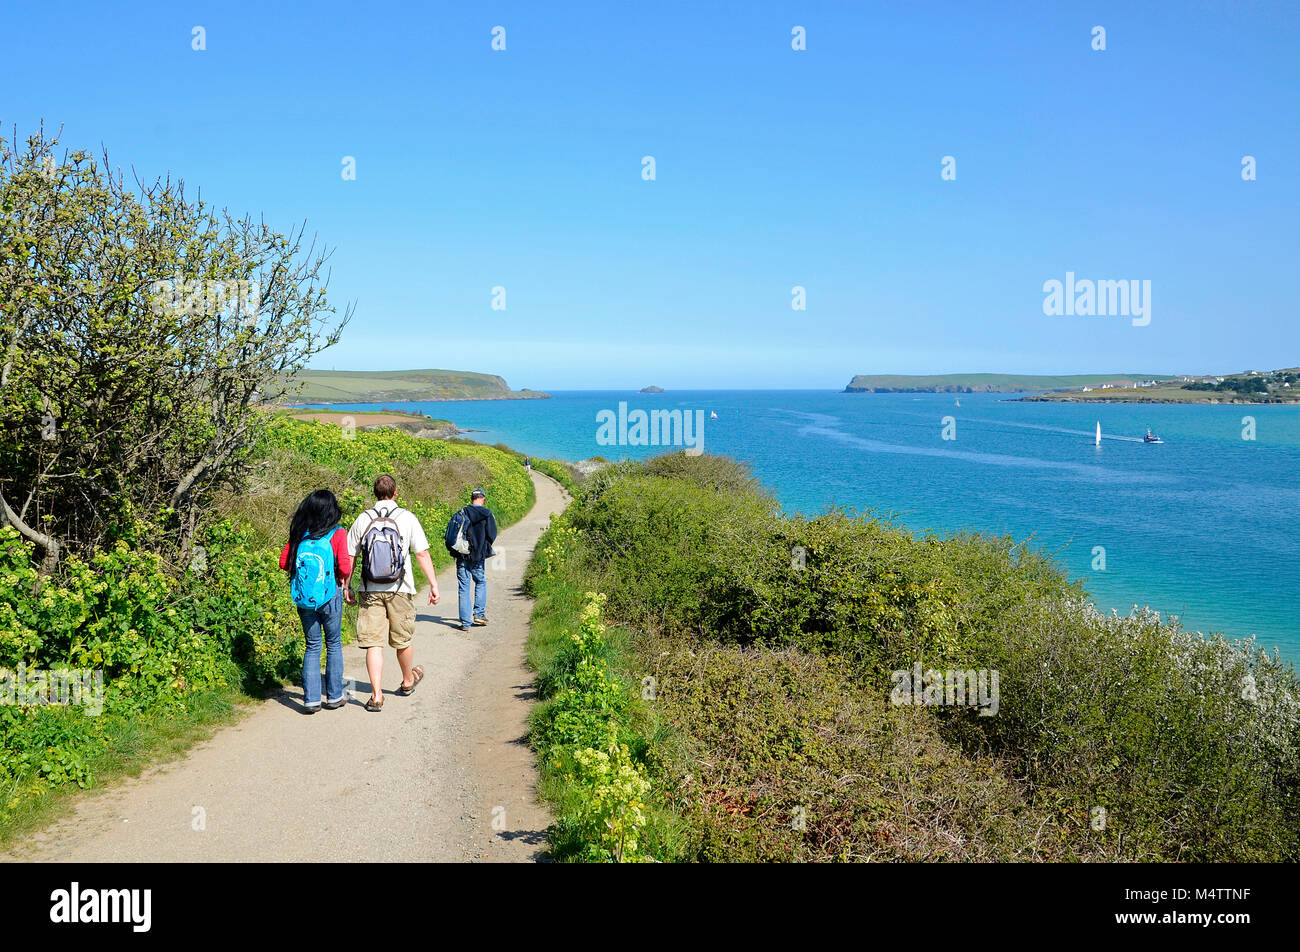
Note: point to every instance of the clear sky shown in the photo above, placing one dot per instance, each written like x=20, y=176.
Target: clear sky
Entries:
x=821, y=168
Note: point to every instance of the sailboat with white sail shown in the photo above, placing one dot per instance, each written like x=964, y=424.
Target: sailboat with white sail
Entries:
x=1098, y=443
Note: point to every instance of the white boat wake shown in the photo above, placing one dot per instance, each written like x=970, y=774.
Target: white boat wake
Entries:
x=1051, y=429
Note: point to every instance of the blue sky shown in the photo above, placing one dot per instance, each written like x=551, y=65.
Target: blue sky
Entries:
x=775, y=168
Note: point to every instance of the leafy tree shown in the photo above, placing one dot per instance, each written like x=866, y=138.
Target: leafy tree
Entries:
x=140, y=330
x=1231, y=385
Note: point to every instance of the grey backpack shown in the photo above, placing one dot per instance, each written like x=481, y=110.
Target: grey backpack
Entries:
x=384, y=562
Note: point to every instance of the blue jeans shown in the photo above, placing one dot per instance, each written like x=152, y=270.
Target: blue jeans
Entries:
x=466, y=572
x=327, y=620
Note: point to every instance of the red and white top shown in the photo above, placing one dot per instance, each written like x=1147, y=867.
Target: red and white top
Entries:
x=342, y=561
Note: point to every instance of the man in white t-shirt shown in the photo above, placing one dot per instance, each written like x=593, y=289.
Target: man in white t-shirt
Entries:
x=388, y=608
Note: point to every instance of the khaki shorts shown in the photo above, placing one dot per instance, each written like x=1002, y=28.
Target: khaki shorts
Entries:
x=385, y=613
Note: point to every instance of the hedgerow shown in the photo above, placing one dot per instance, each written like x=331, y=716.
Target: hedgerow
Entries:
x=772, y=641
x=362, y=455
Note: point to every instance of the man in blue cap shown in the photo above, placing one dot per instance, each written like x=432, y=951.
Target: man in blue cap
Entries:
x=469, y=538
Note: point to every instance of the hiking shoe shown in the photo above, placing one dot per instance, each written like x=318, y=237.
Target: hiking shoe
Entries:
x=334, y=705
x=480, y=620
x=462, y=627
x=310, y=710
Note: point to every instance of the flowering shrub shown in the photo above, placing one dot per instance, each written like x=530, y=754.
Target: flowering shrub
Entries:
x=557, y=544
x=578, y=736
x=610, y=812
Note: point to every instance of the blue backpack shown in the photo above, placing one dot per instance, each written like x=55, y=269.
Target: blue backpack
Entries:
x=313, y=584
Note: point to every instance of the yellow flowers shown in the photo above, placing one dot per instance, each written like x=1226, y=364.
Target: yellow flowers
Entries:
x=608, y=787
x=613, y=786
x=559, y=542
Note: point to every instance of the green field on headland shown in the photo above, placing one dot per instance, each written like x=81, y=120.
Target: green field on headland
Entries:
x=415, y=424
x=982, y=383
x=378, y=386
x=1274, y=386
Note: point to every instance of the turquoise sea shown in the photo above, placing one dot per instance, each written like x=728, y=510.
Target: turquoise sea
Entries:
x=1203, y=526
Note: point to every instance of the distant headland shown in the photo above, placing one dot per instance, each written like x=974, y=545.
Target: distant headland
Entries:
x=382, y=386
x=984, y=383
x=1251, y=386
x=652, y=389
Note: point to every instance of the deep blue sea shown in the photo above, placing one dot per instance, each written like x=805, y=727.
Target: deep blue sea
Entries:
x=1203, y=526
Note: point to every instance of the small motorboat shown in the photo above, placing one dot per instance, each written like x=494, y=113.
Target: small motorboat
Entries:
x=1151, y=437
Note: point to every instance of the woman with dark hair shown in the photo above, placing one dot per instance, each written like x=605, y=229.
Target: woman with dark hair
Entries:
x=316, y=558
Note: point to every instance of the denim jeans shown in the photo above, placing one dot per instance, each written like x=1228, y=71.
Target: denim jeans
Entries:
x=466, y=572
x=329, y=621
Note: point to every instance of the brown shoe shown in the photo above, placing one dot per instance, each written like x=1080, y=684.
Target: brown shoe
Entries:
x=376, y=706
x=418, y=674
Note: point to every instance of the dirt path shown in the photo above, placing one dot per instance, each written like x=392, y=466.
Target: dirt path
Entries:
x=444, y=774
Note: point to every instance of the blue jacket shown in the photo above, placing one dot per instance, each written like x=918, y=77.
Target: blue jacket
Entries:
x=480, y=530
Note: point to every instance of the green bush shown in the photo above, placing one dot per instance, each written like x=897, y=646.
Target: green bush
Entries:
x=157, y=635
x=1127, y=738
x=788, y=760
x=1191, y=746
x=167, y=636
x=710, y=552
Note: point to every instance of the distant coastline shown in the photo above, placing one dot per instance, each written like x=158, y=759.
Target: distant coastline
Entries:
x=985, y=382
x=1154, y=397
x=391, y=386
x=400, y=396
x=1253, y=388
